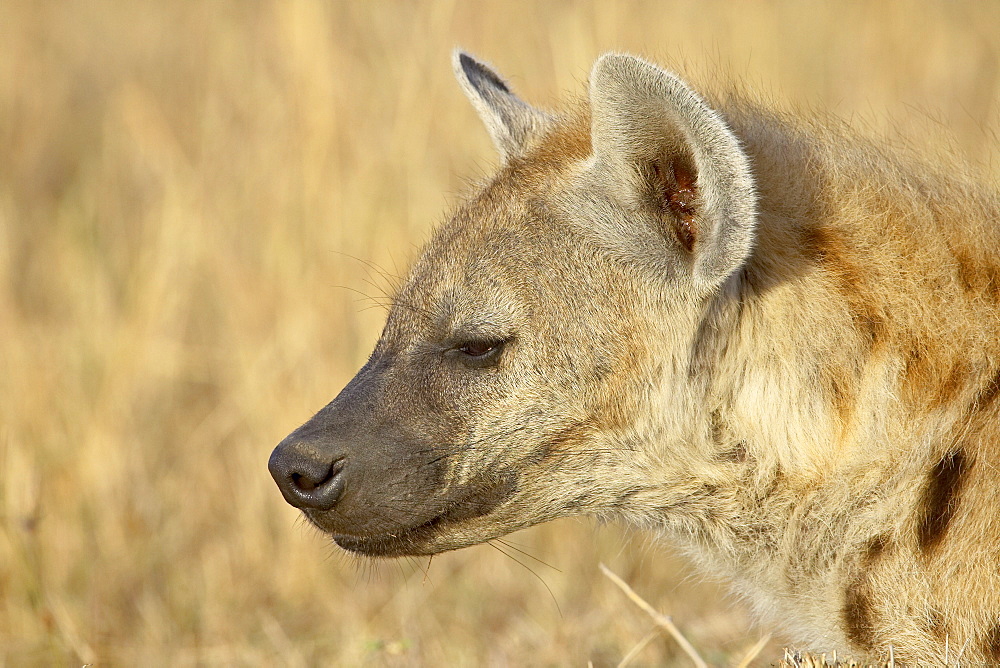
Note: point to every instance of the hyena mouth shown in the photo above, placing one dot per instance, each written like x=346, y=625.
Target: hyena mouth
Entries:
x=439, y=534
x=415, y=541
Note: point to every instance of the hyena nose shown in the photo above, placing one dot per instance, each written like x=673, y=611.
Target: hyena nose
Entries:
x=307, y=478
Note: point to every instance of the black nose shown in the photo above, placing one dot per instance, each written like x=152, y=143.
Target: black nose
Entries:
x=307, y=478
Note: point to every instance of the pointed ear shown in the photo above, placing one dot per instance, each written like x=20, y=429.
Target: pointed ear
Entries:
x=512, y=123
x=663, y=147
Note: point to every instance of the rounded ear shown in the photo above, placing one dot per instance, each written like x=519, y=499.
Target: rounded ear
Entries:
x=512, y=123
x=652, y=134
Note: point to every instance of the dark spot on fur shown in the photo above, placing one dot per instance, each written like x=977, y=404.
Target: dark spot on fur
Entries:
x=988, y=394
x=876, y=547
x=777, y=478
x=727, y=450
x=717, y=428
x=978, y=277
x=601, y=370
x=736, y=454
x=841, y=384
x=857, y=614
x=940, y=498
x=578, y=501
x=936, y=625
x=485, y=496
x=557, y=443
x=818, y=242
x=967, y=275
x=991, y=644
x=759, y=534
x=916, y=372
x=953, y=384
x=870, y=325
x=626, y=496
x=931, y=378
x=540, y=454
x=831, y=251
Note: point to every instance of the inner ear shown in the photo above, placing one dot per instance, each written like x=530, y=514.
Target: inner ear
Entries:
x=675, y=192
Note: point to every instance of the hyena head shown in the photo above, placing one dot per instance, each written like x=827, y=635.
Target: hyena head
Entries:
x=541, y=358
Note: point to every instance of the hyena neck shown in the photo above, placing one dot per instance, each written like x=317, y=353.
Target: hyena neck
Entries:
x=822, y=385
x=734, y=492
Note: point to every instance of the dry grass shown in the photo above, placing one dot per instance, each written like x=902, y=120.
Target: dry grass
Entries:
x=183, y=190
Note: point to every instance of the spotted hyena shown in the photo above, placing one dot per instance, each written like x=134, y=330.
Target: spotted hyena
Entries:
x=774, y=342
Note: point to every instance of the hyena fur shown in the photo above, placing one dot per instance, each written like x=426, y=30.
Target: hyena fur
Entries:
x=774, y=342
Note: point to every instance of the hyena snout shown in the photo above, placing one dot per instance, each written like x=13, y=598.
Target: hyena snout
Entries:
x=362, y=469
x=310, y=476
x=326, y=463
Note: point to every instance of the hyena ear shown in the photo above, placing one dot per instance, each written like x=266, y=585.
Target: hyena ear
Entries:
x=512, y=123
x=664, y=149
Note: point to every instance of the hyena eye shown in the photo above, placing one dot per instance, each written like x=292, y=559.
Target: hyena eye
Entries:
x=478, y=348
x=478, y=354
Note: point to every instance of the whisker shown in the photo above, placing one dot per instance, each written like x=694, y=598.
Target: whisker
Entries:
x=508, y=545
x=371, y=266
x=527, y=568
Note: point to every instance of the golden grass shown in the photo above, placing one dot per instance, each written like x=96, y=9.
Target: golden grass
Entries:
x=184, y=188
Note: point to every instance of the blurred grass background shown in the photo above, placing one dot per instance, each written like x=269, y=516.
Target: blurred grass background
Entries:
x=190, y=193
